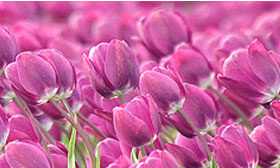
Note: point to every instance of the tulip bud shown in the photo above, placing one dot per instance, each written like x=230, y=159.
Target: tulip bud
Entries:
x=266, y=137
x=162, y=30
x=199, y=107
x=137, y=123
x=233, y=147
x=191, y=65
x=7, y=48
x=169, y=91
x=38, y=77
x=113, y=68
x=189, y=152
x=253, y=74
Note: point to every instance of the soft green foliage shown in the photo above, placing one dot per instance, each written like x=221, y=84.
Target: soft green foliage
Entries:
x=71, y=148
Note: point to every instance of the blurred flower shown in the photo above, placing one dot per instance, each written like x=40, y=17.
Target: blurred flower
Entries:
x=7, y=48
x=162, y=30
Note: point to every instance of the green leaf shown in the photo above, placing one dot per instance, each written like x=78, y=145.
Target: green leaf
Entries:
x=133, y=157
x=98, y=157
x=71, y=147
x=213, y=162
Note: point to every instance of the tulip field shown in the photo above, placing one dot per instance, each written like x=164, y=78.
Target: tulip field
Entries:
x=139, y=84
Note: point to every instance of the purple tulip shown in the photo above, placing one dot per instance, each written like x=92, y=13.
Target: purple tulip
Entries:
x=169, y=91
x=25, y=154
x=233, y=148
x=112, y=68
x=21, y=129
x=162, y=30
x=137, y=123
x=189, y=152
x=109, y=151
x=266, y=137
x=191, y=64
x=7, y=48
x=158, y=159
x=199, y=107
x=253, y=74
x=40, y=76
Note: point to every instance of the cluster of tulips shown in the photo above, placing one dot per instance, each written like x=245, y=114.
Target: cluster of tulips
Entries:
x=139, y=84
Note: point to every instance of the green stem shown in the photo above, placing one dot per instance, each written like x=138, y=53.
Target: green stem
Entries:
x=239, y=112
x=167, y=134
x=201, y=138
x=48, y=152
x=122, y=98
x=143, y=151
x=91, y=125
x=81, y=132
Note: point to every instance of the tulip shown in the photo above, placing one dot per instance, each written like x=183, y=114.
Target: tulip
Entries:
x=113, y=68
x=26, y=154
x=162, y=30
x=169, y=91
x=191, y=64
x=7, y=48
x=199, y=107
x=233, y=148
x=253, y=74
x=40, y=76
x=189, y=152
x=21, y=129
x=266, y=138
x=109, y=151
x=159, y=159
x=137, y=123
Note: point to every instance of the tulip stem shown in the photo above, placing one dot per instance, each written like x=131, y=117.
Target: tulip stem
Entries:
x=25, y=109
x=81, y=132
x=91, y=125
x=143, y=151
x=232, y=105
x=201, y=138
x=122, y=98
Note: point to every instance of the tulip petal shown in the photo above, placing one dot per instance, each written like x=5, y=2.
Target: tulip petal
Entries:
x=26, y=155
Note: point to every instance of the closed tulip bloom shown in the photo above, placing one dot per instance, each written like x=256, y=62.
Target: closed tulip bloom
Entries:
x=199, y=107
x=158, y=159
x=253, y=73
x=266, y=137
x=137, y=123
x=39, y=76
x=109, y=151
x=26, y=154
x=189, y=152
x=162, y=30
x=191, y=64
x=233, y=148
x=7, y=48
x=165, y=87
x=113, y=68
